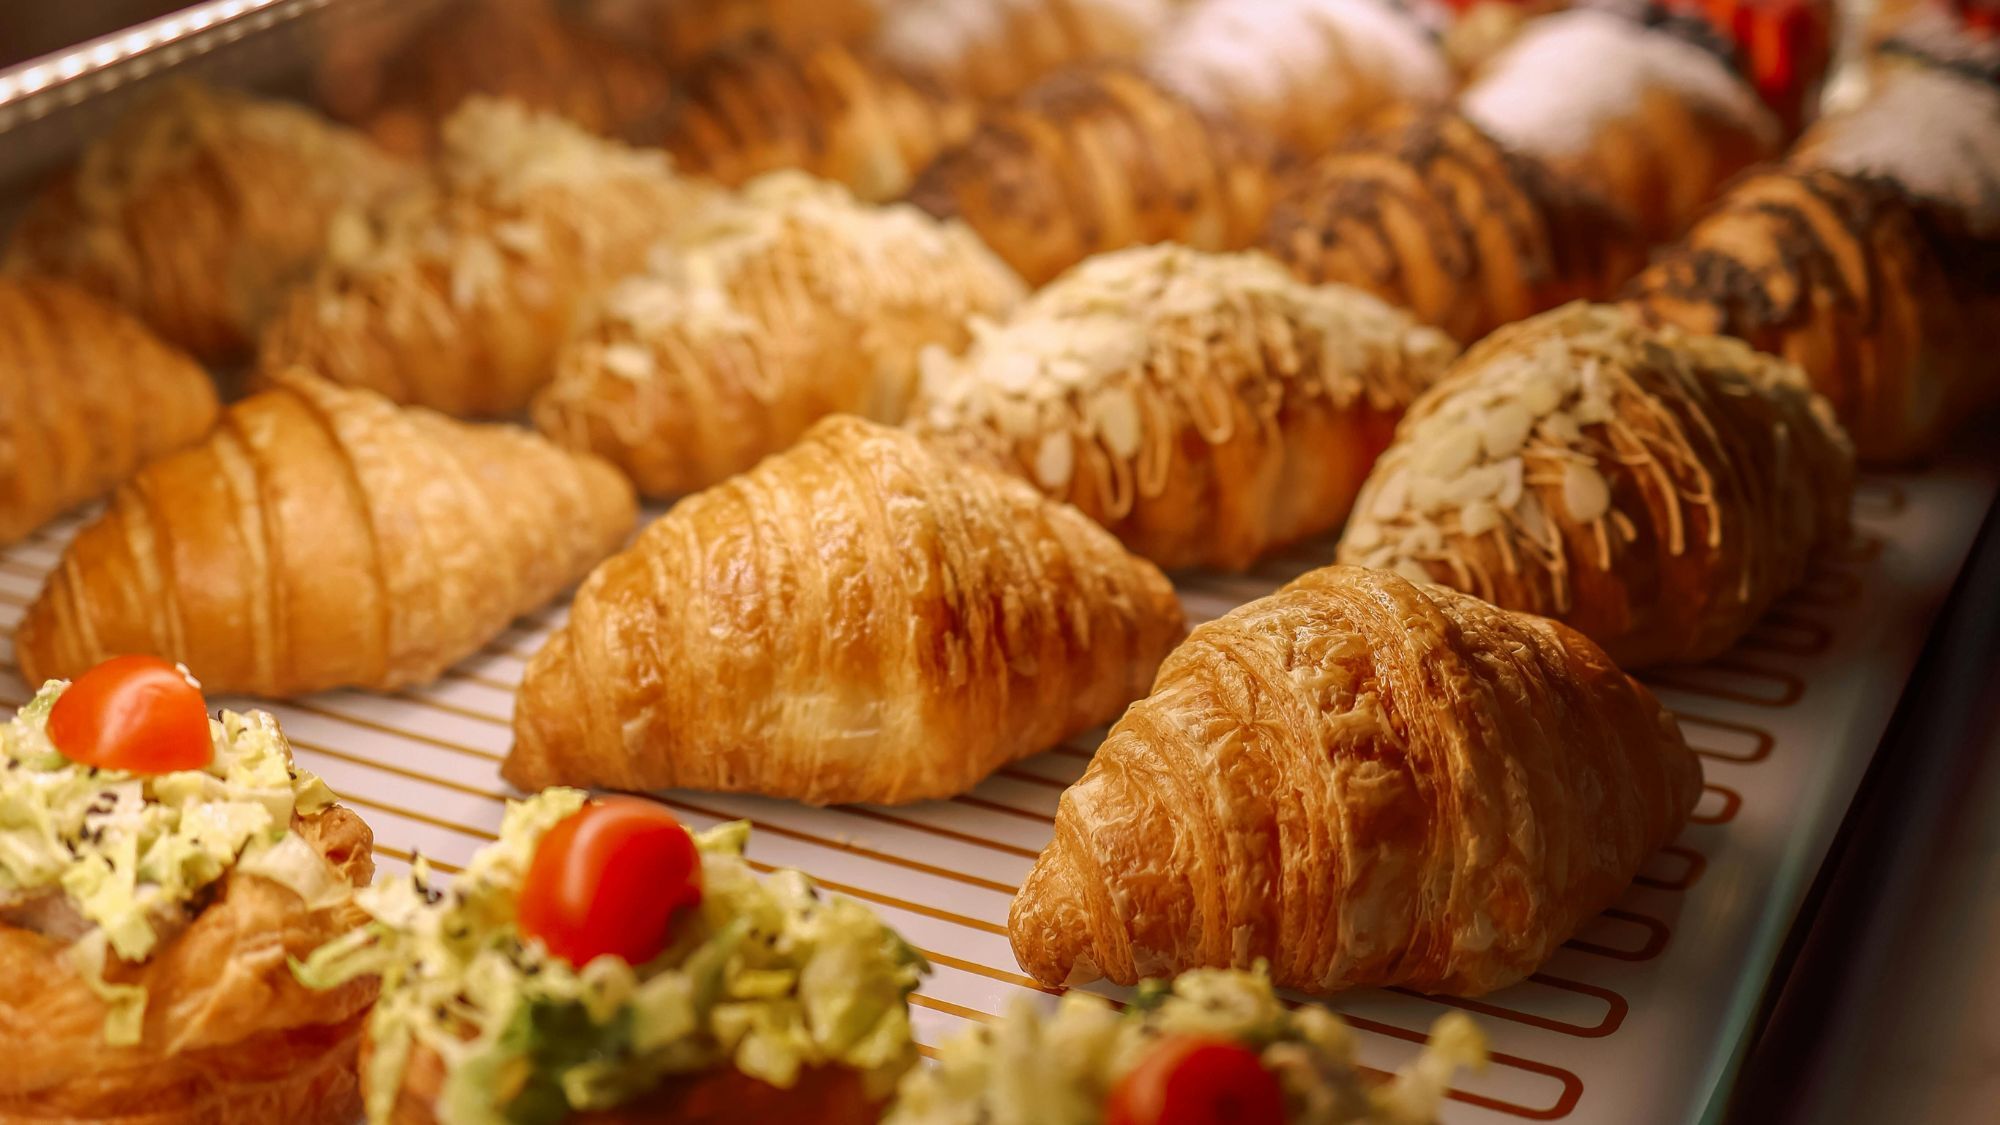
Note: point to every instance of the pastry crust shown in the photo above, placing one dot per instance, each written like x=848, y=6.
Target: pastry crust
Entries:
x=1098, y=159
x=1366, y=783
x=323, y=537
x=793, y=304
x=1206, y=408
x=755, y=106
x=1435, y=216
x=1653, y=489
x=198, y=209
x=461, y=298
x=997, y=48
x=856, y=619
x=685, y=30
x=231, y=1038
x=89, y=395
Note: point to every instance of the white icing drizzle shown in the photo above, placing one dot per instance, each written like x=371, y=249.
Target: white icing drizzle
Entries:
x=1934, y=131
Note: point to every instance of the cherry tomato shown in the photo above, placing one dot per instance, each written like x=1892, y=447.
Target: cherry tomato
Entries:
x=134, y=713
x=1195, y=1080
x=607, y=879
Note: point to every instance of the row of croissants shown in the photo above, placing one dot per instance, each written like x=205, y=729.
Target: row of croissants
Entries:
x=951, y=326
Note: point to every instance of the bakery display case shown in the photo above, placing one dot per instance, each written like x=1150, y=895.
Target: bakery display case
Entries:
x=907, y=385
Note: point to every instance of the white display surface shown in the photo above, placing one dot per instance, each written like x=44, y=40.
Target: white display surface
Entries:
x=1638, y=1020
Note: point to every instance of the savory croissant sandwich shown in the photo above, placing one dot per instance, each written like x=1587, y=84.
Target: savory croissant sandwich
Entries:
x=324, y=537
x=160, y=867
x=1206, y=407
x=855, y=619
x=1653, y=489
x=597, y=964
x=1098, y=159
x=88, y=396
x=198, y=208
x=1210, y=1047
x=458, y=298
x=755, y=106
x=1309, y=73
x=1364, y=782
x=996, y=48
x=790, y=303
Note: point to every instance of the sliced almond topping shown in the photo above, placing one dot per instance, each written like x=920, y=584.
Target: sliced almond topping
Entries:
x=1505, y=430
x=1585, y=495
x=1393, y=496
x=1414, y=571
x=1055, y=460
x=1115, y=415
x=1362, y=535
x=1478, y=518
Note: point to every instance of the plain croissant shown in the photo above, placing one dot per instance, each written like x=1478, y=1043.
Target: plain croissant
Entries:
x=458, y=299
x=793, y=303
x=200, y=207
x=855, y=619
x=1363, y=782
x=323, y=537
x=1653, y=489
x=1435, y=216
x=1205, y=407
x=89, y=395
x=997, y=48
x=1098, y=159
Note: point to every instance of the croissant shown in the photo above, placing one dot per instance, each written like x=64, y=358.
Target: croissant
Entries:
x=754, y=106
x=323, y=537
x=1654, y=490
x=1873, y=294
x=89, y=396
x=685, y=30
x=1435, y=216
x=1309, y=73
x=1639, y=115
x=460, y=298
x=795, y=304
x=1205, y=407
x=197, y=208
x=997, y=48
x=1094, y=160
x=855, y=619
x=1363, y=782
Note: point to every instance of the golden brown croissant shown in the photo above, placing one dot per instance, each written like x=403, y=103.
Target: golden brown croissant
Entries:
x=1094, y=160
x=1639, y=115
x=459, y=298
x=1655, y=490
x=1309, y=73
x=1205, y=407
x=1364, y=782
x=324, y=537
x=687, y=29
x=855, y=619
x=997, y=48
x=1435, y=216
x=1871, y=293
x=794, y=303
x=755, y=106
x=89, y=395
x=230, y=1037
x=197, y=210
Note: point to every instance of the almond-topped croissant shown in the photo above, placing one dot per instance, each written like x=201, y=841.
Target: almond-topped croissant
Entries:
x=855, y=619
x=197, y=210
x=1094, y=160
x=323, y=537
x=756, y=106
x=996, y=48
x=791, y=303
x=1307, y=72
x=1435, y=216
x=1206, y=407
x=1364, y=782
x=1654, y=489
x=459, y=298
x=88, y=396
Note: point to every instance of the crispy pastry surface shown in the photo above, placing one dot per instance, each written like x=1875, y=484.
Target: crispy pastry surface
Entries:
x=1206, y=408
x=996, y=48
x=1366, y=783
x=89, y=395
x=792, y=305
x=1097, y=159
x=1653, y=489
x=855, y=619
x=685, y=30
x=230, y=1037
x=324, y=537
x=198, y=209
